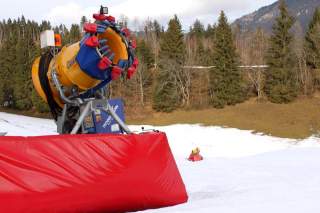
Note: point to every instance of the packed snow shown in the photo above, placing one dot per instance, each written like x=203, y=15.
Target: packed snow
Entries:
x=241, y=171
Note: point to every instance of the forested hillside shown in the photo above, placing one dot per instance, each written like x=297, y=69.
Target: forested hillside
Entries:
x=20, y=46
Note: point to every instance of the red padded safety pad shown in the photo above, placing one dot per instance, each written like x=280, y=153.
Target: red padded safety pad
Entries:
x=88, y=173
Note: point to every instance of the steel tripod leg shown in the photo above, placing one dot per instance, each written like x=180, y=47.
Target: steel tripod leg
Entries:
x=117, y=119
x=61, y=120
x=81, y=118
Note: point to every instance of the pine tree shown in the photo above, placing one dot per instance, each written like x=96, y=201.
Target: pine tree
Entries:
x=203, y=55
x=281, y=85
x=7, y=63
x=312, y=41
x=197, y=30
x=20, y=93
x=17, y=52
x=172, y=55
x=157, y=28
x=75, y=33
x=37, y=102
x=144, y=53
x=144, y=74
x=33, y=52
x=225, y=79
x=3, y=73
x=45, y=25
x=172, y=45
x=146, y=60
x=65, y=34
x=83, y=20
x=197, y=34
x=209, y=33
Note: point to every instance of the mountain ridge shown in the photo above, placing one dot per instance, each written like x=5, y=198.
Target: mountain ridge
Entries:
x=264, y=17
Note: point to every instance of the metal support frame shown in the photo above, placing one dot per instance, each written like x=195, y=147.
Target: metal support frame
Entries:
x=117, y=119
x=83, y=115
x=61, y=120
x=56, y=82
x=90, y=106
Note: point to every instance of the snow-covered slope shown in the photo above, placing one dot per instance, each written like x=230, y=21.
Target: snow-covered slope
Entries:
x=26, y=126
x=241, y=172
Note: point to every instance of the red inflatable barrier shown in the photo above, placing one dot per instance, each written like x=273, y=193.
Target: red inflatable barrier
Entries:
x=88, y=173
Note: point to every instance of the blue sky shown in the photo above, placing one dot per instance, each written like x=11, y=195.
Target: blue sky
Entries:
x=67, y=12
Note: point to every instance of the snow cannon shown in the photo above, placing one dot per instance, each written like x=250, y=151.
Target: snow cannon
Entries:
x=96, y=163
x=70, y=76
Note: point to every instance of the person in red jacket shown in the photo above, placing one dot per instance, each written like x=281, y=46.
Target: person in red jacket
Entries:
x=195, y=155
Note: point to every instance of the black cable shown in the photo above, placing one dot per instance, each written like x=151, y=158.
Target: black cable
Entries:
x=45, y=60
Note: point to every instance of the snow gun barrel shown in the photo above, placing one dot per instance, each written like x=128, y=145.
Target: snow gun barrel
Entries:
x=105, y=52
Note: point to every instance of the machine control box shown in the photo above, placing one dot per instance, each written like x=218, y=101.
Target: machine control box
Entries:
x=100, y=121
x=47, y=39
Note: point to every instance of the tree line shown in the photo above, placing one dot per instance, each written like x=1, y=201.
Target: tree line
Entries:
x=292, y=60
x=165, y=79
x=19, y=47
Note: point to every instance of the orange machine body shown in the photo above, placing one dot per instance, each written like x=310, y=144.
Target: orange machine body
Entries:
x=68, y=70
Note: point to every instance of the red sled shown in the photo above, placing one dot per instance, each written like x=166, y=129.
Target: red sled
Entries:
x=195, y=158
x=88, y=173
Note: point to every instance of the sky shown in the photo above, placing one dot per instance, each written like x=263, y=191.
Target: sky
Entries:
x=137, y=11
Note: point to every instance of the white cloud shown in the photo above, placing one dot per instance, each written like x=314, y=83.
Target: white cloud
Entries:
x=139, y=10
x=187, y=10
x=69, y=13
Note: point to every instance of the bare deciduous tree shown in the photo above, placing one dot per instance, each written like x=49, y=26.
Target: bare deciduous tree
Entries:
x=152, y=38
x=256, y=55
x=304, y=73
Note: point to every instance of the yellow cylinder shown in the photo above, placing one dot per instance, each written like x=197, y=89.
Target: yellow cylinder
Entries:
x=36, y=79
x=68, y=70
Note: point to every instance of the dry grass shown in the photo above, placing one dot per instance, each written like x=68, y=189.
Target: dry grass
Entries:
x=300, y=119
x=30, y=113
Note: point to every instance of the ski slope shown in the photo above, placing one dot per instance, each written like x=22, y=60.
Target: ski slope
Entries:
x=241, y=171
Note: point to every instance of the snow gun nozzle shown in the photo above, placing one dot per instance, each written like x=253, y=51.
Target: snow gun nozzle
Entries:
x=103, y=10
